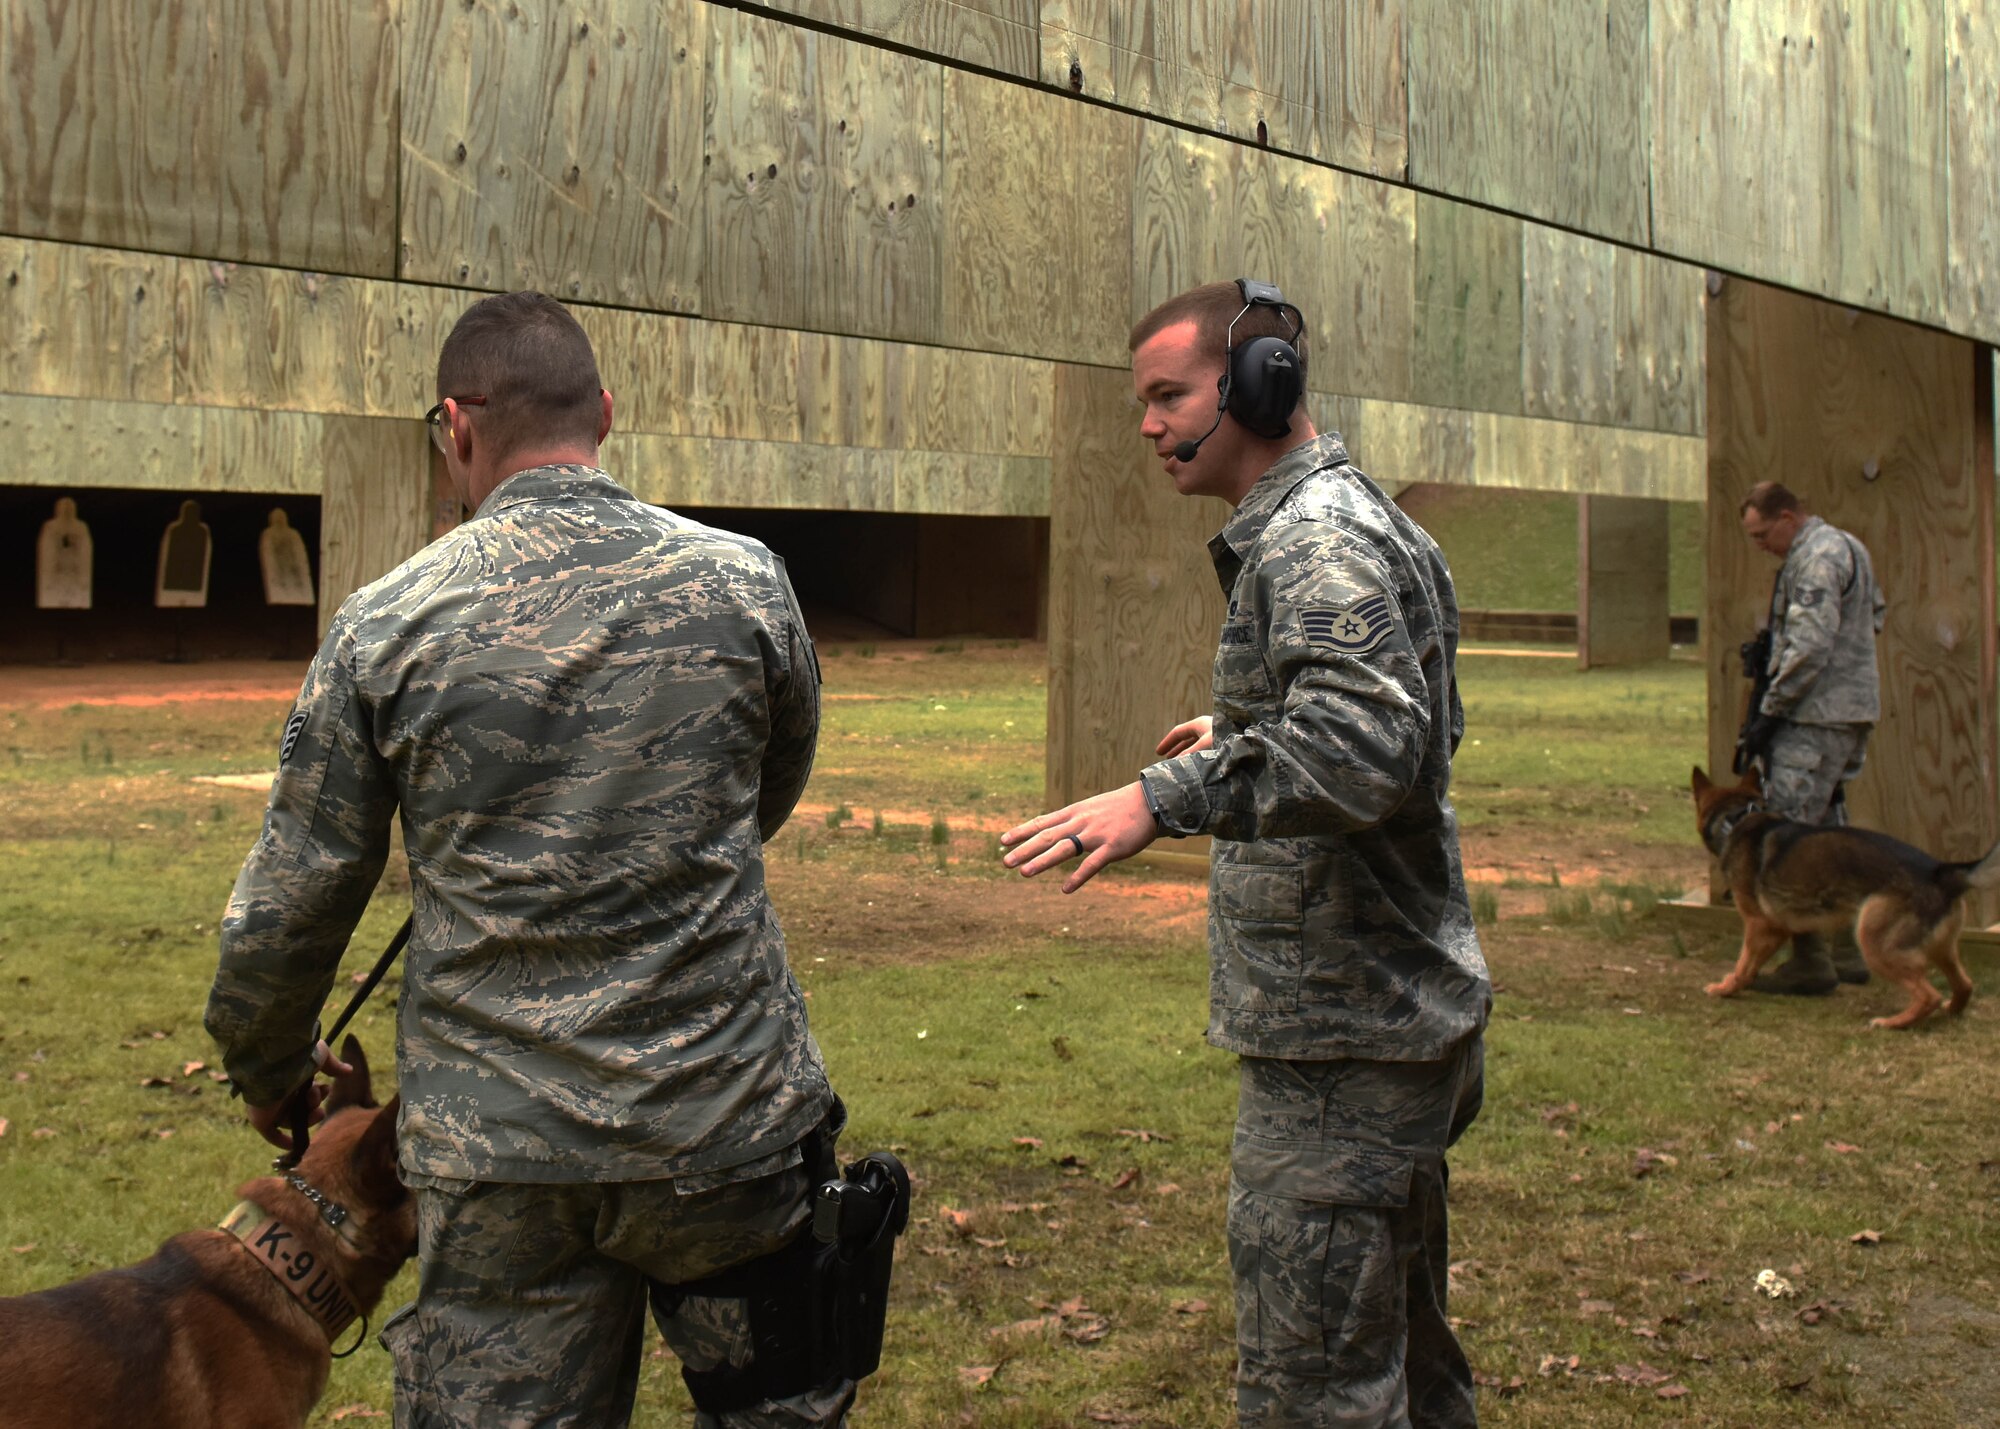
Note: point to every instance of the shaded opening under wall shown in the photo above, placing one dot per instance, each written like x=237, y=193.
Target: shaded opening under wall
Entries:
x=880, y=573
x=122, y=622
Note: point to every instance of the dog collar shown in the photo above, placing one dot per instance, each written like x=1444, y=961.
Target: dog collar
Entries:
x=279, y=1250
x=1726, y=825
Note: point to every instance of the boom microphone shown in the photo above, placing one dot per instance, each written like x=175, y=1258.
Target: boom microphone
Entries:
x=1186, y=451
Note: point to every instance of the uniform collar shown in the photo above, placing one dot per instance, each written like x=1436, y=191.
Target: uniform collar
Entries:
x=565, y=482
x=1232, y=543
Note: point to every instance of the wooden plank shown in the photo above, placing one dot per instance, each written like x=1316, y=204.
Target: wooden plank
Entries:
x=1972, y=104
x=1467, y=349
x=1340, y=246
x=375, y=505
x=67, y=441
x=407, y=326
x=1134, y=605
x=646, y=362
x=1037, y=238
x=246, y=336
x=714, y=471
x=318, y=85
x=1003, y=35
x=1825, y=396
x=85, y=322
x=1322, y=81
x=1621, y=581
x=556, y=149
x=1512, y=106
x=1658, y=343
x=1567, y=311
x=824, y=193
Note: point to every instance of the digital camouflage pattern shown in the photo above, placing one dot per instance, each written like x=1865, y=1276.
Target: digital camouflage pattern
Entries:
x=468, y=1357
x=1806, y=763
x=591, y=711
x=1338, y=918
x=1338, y=1244
x=1826, y=611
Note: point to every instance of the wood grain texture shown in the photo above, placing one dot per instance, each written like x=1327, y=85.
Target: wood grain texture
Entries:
x=1658, y=343
x=1822, y=395
x=1003, y=35
x=127, y=126
x=714, y=471
x=557, y=149
x=375, y=503
x=270, y=338
x=1341, y=246
x=1538, y=107
x=1467, y=344
x=1806, y=143
x=1621, y=581
x=1324, y=80
x=1972, y=99
x=822, y=185
x=1134, y=605
x=85, y=322
x=1568, y=305
x=1037, y=236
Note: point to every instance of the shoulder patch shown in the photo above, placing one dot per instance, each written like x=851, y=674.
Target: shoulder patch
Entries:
x=292, y=728
x=1807, y=597
x=1352, y=630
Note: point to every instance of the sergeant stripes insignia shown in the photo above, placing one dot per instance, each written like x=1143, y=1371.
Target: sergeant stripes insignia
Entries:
x=1354, y=630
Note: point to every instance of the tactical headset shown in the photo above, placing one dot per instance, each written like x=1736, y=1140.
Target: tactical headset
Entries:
x=1263, y=378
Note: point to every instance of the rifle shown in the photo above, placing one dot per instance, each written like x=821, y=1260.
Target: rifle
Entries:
x=1754, y=736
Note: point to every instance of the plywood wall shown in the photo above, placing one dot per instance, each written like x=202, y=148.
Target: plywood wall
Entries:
x=1884, y=429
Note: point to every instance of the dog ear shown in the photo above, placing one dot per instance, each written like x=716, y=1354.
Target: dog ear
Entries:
x=351, y=1088
x=373, y=1159
x=1701, y=782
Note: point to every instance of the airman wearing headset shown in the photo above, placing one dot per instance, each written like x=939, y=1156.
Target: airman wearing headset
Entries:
x=1345, y=968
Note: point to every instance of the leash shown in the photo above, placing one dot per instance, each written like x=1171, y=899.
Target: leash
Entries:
x=300, y=1105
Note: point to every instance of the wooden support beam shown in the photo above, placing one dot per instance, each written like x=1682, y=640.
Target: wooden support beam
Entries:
x=1621, y=581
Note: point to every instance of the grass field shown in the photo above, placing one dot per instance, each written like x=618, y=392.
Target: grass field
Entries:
x=1645, y=1151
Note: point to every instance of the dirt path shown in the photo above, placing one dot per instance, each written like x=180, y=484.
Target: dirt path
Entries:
x=140, y=684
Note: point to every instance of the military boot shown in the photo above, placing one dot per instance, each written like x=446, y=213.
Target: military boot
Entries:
x=1848, y=964
x=1808, y=972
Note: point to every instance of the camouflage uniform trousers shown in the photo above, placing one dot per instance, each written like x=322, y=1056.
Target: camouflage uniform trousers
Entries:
x=1337, y=1242
x=531, y=1300
x=1806, y=763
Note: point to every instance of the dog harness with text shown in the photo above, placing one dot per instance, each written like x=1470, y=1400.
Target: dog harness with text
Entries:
x=279, y=1248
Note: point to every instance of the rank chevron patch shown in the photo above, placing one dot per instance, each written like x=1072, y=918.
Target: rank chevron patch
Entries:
x=1355, y=630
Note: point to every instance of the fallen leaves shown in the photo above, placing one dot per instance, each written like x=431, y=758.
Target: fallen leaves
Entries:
x=1076, y=1321
x=1646, y=1161
x=1125, y=1178
x=1770, y=1283
x=1866, y=1238
x=1033, y=1143
x=356, y=1411
x=1842, y=1148
x=959, y=1221
x=3, y=1125
x=1140, y=1134
x=978, y=1375
x=1190, y=1307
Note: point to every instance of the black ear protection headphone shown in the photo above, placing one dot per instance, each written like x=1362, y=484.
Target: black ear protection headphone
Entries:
x=1263, y=378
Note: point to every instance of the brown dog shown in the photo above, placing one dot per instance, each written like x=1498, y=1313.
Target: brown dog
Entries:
x=1904, y=907
x=229, y=1328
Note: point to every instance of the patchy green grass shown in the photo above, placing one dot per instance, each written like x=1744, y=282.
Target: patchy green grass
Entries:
x=1645, y=1151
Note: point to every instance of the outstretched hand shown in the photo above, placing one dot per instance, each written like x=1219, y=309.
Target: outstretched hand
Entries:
x=1187, y=736
x=270, y=1119
x=1101, y=829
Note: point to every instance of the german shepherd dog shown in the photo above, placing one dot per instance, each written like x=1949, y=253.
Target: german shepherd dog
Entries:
x=225, y=1328
x=1904, y=907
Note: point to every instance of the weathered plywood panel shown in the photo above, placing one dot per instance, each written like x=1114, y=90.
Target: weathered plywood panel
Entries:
x=1622, y=615
x=647, y=362
x=1037, y=241
x=125, y=126
x=1134, y=606
x=557, y=148
x=1823, y=397
x=247, y=336
x=1467, y=350
x=1658, y=342
x=709, y=471
x=376, y=506
x=822, y=182
x=1568, y=306
x=1807, y=145
x=85, y=322
x=1534, y=106
x=1303, y=76
x=1340, y=246
x=1972, y=101
x=1003, y=35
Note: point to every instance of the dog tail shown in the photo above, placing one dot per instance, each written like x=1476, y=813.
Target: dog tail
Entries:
x=1955, y=878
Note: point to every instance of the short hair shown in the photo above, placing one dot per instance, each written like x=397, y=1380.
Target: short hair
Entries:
x=532, y=362
x=1770, y=499
x=1211, y=308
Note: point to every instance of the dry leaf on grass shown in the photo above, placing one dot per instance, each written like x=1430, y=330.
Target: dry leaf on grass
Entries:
x=43, y=1133
x=1141, y=1134
x=154, y=1082
x=1842, y=1148
x=4, y=1124
x=1866, y=1238
x=1191, y=1307
x=990, y=1244
x=978, y=1375
x=23, y=1249
x=1559, y=1364
x=1166, y=1188
x=1640, y=1373
x=1671, y=1391
x=1774, y=1284
x=1033, y=1143
x=1594, y=1307
x=1646, y=1161
x=356, y=1411
x=959, y=1221
x=188, y=1069
x=1125, y=1178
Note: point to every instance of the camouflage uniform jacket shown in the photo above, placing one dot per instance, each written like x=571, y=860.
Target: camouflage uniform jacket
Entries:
x=1825, y=614
x=1337, y=913
x=590, y=711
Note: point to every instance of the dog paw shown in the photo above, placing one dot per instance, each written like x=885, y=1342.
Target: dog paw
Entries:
x=1725, y=988
x=1887, y=1022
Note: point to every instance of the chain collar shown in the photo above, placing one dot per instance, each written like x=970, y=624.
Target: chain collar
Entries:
x=330, y=1210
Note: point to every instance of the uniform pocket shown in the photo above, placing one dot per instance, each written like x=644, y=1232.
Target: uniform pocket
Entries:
x=416, y=1402
x=1258, y=911
x=1317, y=1287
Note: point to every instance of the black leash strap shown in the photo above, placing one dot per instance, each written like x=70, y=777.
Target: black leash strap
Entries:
x=300, y=1106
